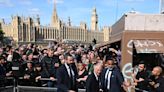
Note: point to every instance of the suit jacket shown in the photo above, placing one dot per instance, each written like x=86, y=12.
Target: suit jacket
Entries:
x=116, y=81
x=92, y=85
x=64, y=81
x=2, y=76
x=2, y=72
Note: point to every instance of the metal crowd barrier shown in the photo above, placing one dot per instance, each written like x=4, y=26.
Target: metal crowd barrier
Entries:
x=19, y=88
x=32, y=89
x=6, y=89
x=35, y=89
x=138, y=89
x=40, y=89
x=47, y=79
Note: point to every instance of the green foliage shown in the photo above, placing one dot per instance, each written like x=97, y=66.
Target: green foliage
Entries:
x=1, y=35
x=4, y=40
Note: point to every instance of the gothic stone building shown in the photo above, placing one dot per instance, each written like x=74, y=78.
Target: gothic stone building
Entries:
x=27, y=30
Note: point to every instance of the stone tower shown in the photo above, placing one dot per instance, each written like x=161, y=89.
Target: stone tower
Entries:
x=2, y=22
x=37, y=20
x=94, y=20
x=69, y=21
x=162, y=6
x=55, y=20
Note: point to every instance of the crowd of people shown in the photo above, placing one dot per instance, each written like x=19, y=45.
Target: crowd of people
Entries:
x=70, y=67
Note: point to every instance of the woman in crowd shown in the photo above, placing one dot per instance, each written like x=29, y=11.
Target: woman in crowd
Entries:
x=82, y=75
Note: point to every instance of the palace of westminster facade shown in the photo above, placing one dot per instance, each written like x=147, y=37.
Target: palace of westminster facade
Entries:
x=27, y=30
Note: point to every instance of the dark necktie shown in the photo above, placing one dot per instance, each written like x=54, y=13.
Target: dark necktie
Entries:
x=71, y=77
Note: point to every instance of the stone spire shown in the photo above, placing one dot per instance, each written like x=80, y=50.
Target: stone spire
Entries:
x=55, y=18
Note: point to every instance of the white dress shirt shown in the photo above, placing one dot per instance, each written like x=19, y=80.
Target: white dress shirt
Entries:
x=107, y=77
x=96, y=76
x=68, y=70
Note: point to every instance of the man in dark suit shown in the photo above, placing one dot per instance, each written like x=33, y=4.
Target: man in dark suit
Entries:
x=111, y=78
x=66, y=76
x=92, y=83
x=2, y=71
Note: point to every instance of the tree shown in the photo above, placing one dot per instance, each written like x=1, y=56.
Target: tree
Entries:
x=4, y=40
x=1, y=36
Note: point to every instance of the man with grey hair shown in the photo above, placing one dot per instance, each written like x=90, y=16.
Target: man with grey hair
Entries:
x=92, y=83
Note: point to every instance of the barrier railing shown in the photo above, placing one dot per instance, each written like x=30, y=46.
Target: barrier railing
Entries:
x=6, y=89
x=40, y=89
x=19, y=88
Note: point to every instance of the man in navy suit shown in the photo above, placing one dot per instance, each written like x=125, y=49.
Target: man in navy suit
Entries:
x=92, y=83
x=66, y=76
x=111, y=78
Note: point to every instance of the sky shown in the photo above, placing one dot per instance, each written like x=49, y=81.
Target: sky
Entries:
x=109, y=11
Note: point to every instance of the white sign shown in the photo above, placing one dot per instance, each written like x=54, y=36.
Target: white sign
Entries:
x=145, y=46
